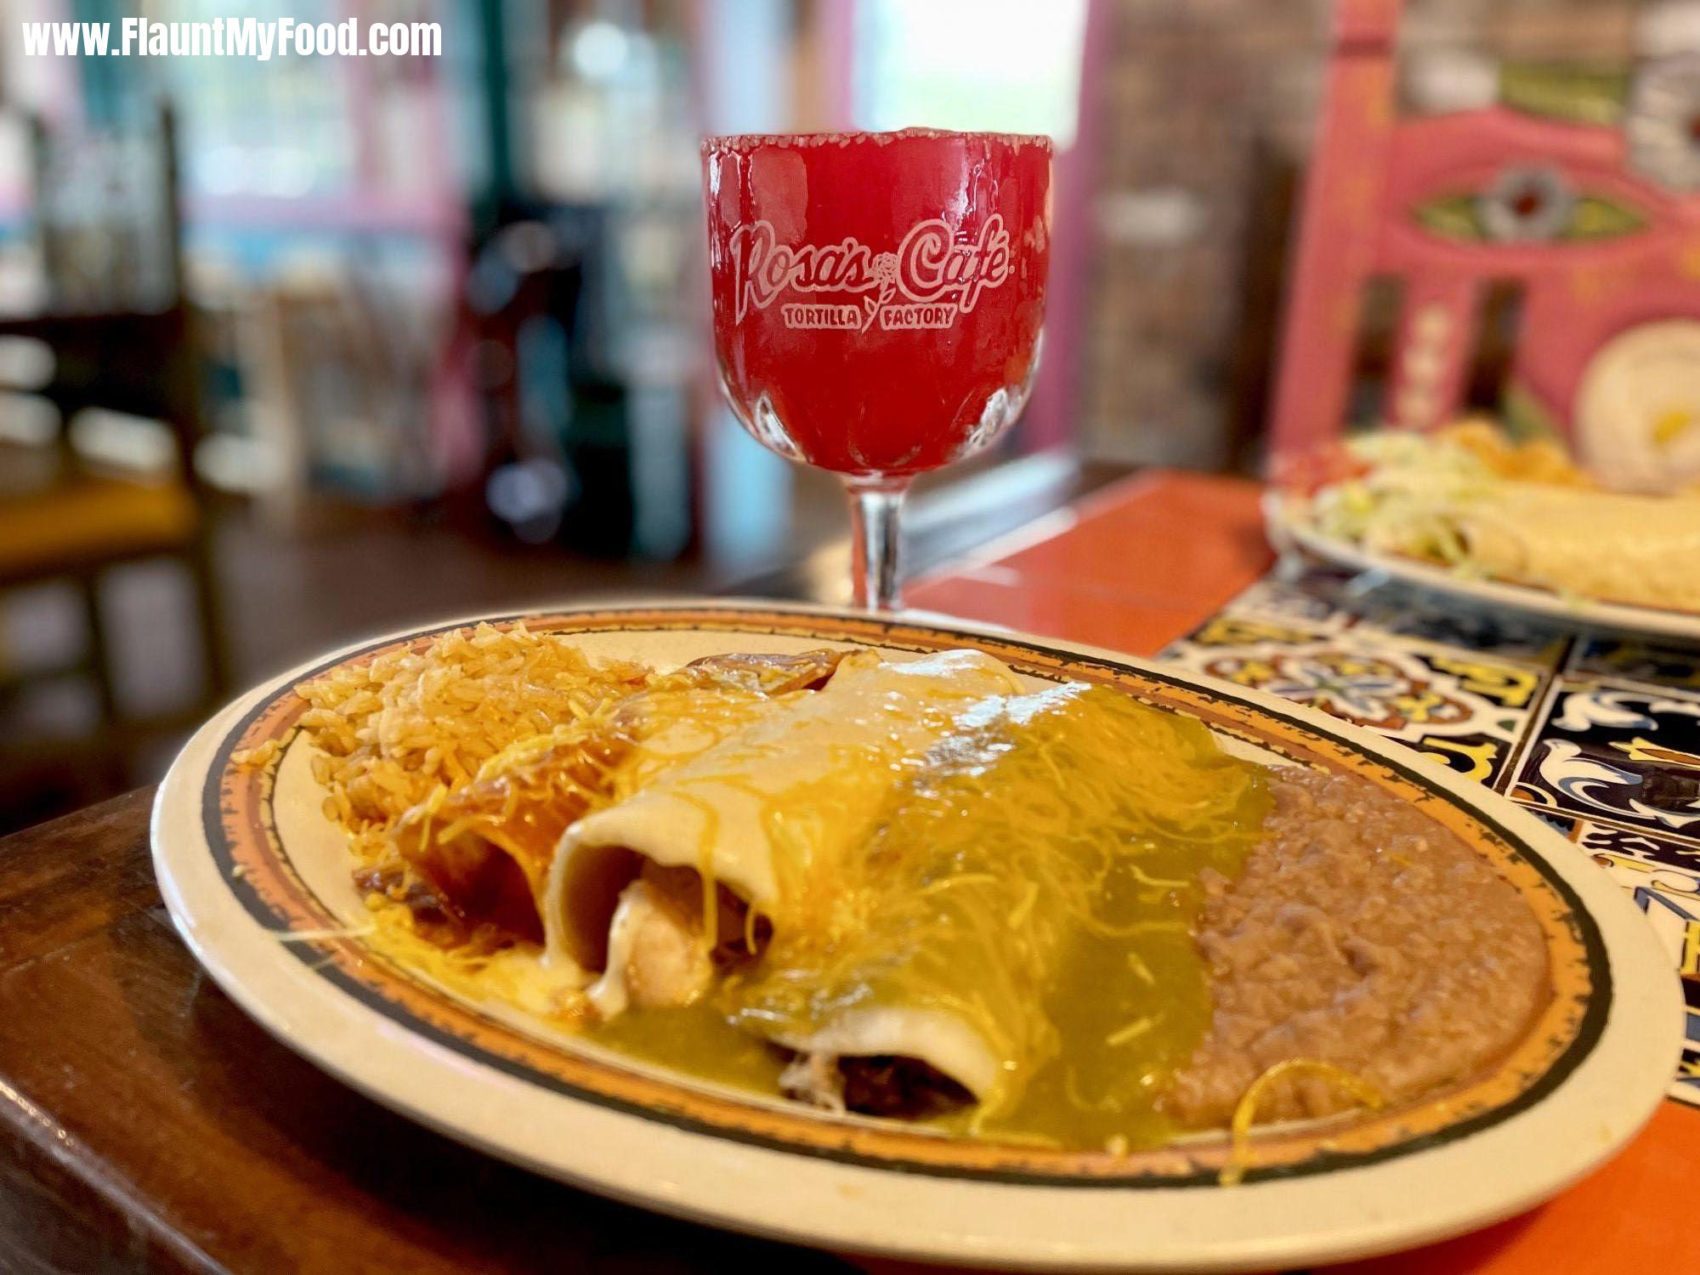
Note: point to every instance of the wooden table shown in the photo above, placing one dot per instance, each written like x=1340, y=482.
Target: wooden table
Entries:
x=144, y=1120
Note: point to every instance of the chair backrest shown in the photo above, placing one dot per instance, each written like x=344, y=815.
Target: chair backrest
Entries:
x=108, y=225
x=1590, y=227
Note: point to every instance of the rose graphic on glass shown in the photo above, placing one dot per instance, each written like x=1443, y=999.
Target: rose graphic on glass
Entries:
x=877, y=304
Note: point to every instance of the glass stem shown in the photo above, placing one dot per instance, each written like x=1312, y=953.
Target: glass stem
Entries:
x=876, y=508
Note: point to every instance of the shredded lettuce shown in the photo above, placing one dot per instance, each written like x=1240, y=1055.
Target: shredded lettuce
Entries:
x=1410, y=502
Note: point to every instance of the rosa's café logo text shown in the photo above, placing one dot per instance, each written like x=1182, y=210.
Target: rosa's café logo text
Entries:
x=927, y=283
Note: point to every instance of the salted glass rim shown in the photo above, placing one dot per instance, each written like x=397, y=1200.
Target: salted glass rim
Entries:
x=825, y=137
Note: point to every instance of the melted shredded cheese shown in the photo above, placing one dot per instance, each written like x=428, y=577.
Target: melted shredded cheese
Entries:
x=1141, y=970
x=1156, y=883
x=1049, y=922
x=1024, y=909
x=1245, y=1111
x=1133, y=1031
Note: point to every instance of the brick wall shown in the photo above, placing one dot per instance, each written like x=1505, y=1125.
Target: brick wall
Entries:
x=1208, y=109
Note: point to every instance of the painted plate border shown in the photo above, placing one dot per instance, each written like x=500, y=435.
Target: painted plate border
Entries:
x=1284, y=526
x=1426, y=1191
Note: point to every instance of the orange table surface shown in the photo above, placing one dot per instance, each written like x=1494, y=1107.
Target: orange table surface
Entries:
x=1140, y=564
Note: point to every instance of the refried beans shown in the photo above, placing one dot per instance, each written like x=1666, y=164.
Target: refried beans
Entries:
x=1363, y=934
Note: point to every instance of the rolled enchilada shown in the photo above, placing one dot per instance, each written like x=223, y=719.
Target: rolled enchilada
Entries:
x=646, y=890
x=1018, y=893
x=1617, y=547
x=486, y=848
x=918, y=911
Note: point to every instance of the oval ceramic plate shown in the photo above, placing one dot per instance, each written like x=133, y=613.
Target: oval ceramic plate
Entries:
x=257, y=880
x=1286, y=526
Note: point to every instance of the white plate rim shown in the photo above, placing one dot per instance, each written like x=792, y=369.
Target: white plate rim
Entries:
x=1417, y=1198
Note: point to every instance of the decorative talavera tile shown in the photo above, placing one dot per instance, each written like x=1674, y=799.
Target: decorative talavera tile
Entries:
x=1636, y=852
x=1464, y=708
x=1670, y=898
x=1396, y=611
x=1483, y=758
x=1407, y=693
x=1634, y=660
x=1400, y=615
x=1246, y=630
x=1615, y=751
x=1320, y=601
x=1312, y=601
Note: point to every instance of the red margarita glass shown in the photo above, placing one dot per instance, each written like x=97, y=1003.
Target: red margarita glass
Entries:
x=877, y=303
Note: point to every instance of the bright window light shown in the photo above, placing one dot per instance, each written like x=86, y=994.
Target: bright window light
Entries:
x=1008, y=66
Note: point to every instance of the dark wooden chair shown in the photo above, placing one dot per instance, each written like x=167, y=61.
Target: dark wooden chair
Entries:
x=108, y=226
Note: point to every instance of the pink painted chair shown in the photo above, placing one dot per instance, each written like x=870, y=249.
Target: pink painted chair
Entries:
x=1597, y=226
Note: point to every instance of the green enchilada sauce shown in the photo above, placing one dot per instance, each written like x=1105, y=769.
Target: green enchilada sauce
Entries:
x=1036, y=879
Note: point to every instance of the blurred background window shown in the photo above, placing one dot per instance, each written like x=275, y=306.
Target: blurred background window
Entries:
x=282, y=128
x=1004, y=66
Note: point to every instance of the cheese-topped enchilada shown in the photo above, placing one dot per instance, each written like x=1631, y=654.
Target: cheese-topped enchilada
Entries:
x=915, y=888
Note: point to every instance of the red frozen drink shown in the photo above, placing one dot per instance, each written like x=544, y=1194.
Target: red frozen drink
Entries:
x=878, y=296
